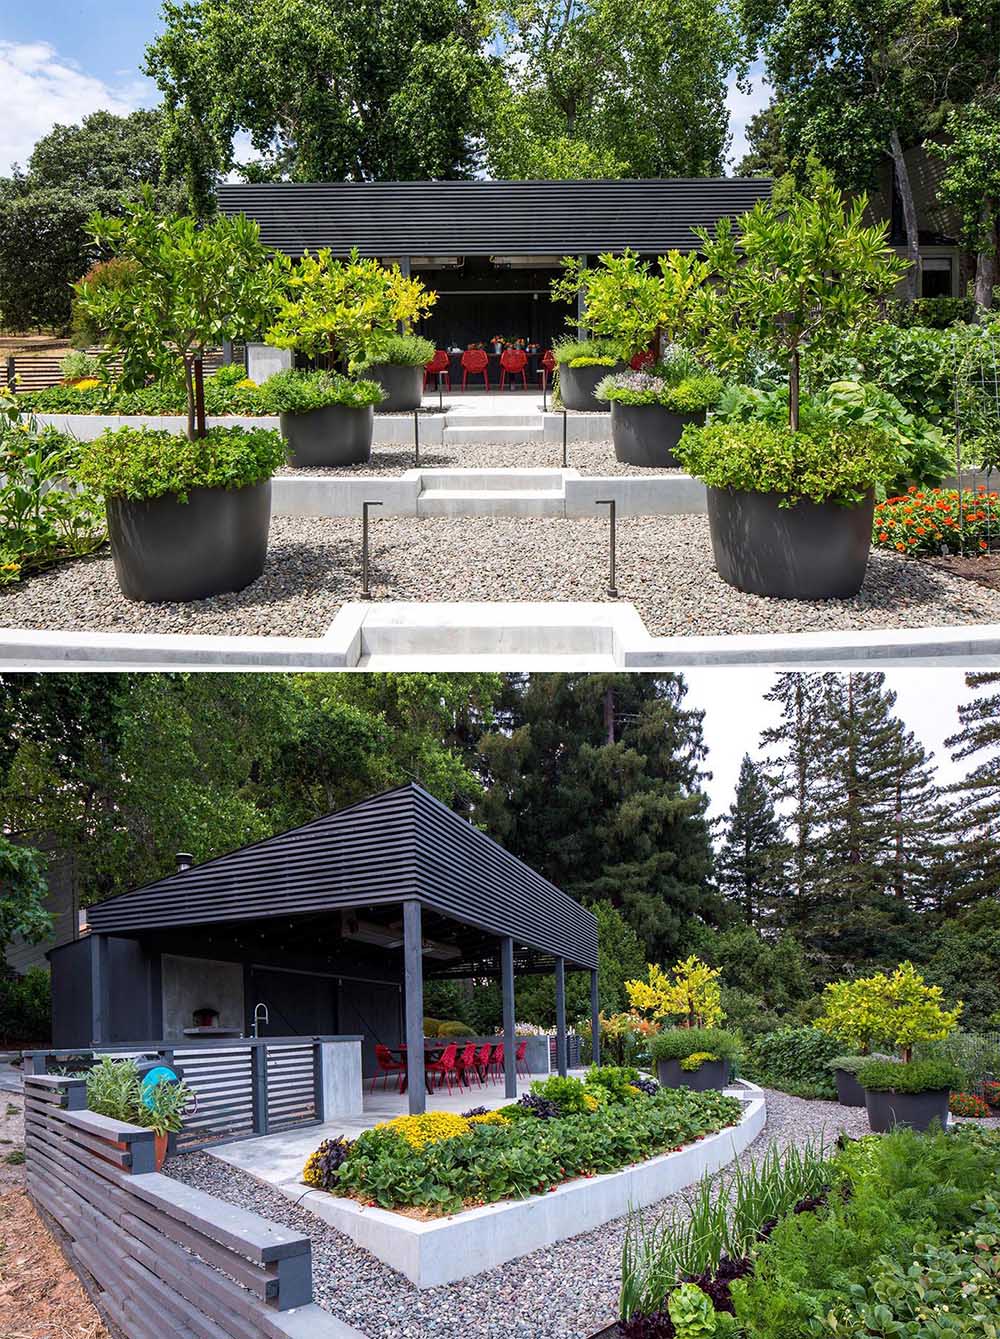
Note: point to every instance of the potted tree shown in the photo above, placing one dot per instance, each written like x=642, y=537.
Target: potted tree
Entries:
x=188, y=516
x=337, y=311
x=906, y=1012
x=695, y=1052
x=852, y=1015
x=790, y=507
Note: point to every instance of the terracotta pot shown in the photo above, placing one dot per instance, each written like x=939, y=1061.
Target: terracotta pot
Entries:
x=160, y=1142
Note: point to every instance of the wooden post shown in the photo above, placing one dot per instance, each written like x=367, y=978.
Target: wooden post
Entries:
x=413, y=977
x=561, y=1064
x=509, y=1038
x=595, y=1019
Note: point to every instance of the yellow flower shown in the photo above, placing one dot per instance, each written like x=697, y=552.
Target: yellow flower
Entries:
x=86, y=384
x=246, y=385
x=490, y=1118
x=430, y=1128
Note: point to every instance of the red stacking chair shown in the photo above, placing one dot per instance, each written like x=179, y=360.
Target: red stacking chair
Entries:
x=483, y=1062
x=441, y=362
x=387, y=1064
x=467, y=1065
x=520, y=1059
x=513, y=361
x=546, y=366
x=496, y=1062
x=477, y=362
x=445, y=1068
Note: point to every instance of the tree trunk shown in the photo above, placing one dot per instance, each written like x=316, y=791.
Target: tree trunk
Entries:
x=609, y=715
x=189, y=396
x=986, y=257
x=793, y=392
x=201, y=428
x=905, y=189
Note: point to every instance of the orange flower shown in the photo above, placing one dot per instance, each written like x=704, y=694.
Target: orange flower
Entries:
x=882, y=537
x=901, y=547
x=982, y=544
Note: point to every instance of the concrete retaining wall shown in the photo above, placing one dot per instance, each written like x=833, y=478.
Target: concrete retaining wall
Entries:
x=443, y=1250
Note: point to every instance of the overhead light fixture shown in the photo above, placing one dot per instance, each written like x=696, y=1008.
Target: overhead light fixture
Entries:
x=390, y=936
x=436, y=262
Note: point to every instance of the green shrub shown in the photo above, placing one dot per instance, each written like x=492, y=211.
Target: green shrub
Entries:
x=823, y=464
x=678, y=1043
x=431, y=1026
x=919, y=1076
x=793, y=1060
x=975, y=1055
x=229, y=374
x=26, y=1007
x=932, y=313
x=616, y=1080
x=158, y=397
x=398, y=350
x=295, y=392
x=850, y=1064
x=586, y=352
x=453, y=1028
x=569, y=1094
x=77, y=365
x=689, y=395
x=114, y=1089
x=140, y=463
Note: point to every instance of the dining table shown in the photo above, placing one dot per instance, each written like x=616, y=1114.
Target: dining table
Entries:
x=533, y=370
x=433, y=1051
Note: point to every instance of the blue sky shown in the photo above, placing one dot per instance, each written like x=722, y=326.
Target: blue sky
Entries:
x=60, y=59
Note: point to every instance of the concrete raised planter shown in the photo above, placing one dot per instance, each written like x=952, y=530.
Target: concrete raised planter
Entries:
x=215, y=542
x=336, y=435
x=886, y=1110
x=646, y=434
x=402, y=385
x=445, y=1249
x=711, y=1074
x=577, y=384
x=849, y=1092
x=809, y=551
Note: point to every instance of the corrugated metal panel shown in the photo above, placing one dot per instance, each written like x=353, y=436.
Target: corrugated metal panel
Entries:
x=483, y=218
x=400, y=844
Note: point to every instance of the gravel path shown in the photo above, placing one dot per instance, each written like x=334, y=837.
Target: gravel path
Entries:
x=664, y=566
x=587, y=457
x=567, y=1291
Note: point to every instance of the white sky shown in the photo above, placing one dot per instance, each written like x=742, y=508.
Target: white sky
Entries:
x=736, y=713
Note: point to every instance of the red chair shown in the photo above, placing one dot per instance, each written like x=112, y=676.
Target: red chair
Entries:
x=477, y=362
x=467, y=1065
x=445, y=1068
x=513, y=361
x=440, y=363
x=496, y=1062
x=547, y=364
x=520, y=1059
x=483, y=1062
x=644, y=359
x=388, y=1064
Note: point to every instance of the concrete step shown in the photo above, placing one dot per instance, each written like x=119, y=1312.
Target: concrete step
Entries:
x=478, y=480
x=473, y=435
x=472, y=420
x=585, y=631
x=491, y=502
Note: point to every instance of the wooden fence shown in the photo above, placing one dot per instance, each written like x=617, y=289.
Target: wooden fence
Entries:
x=242, y=1087
x=37, y=371
x=159, y=1259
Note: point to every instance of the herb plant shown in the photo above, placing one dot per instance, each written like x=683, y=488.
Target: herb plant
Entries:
x=140, y=463
x=294, y=392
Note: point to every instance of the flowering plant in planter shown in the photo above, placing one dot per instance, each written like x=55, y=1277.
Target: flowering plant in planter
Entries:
x=685, y=394
x=938, y=520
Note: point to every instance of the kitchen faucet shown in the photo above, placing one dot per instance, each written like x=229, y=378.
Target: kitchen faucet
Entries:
x=260, y=1015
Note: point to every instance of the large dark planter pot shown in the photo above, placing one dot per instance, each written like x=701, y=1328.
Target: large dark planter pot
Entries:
x=576, y=385
x=712, y=1074
x=646, y=434
x=886, y=1110
x=849, y=1092
x=337, y=435
x=403, y=385
x=809, y=551
x=169, y=550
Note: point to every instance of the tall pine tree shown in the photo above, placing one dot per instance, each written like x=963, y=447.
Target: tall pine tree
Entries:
x=596, y=781
x=751, y=869
x=975, y=867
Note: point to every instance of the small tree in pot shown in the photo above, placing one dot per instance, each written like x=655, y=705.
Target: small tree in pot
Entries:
x=695, y=1052
x=188, y=517
x=797, y=274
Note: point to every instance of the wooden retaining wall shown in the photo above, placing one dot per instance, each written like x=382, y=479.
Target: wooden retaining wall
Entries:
x=160, y=1259
x=38, y=371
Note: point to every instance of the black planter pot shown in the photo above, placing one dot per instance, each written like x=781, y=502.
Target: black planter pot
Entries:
x=886, y=1110
x=576, y=385
x=849, y=1092
x=337, y=435
x=169, y=550
x=403, y=386
x=711, y=1074
x=810, y=551
x=646, y=434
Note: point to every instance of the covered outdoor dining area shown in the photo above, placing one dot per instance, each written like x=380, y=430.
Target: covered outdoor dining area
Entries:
x=329, y=931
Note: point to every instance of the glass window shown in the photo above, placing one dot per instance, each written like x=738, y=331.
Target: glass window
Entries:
x=935, y=277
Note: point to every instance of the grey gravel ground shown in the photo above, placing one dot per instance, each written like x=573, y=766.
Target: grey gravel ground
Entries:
x=664, y=566
x=587, y=457
x=567, y=1291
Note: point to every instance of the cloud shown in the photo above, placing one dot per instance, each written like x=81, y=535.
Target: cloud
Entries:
x=39, y=88
x=742, y=106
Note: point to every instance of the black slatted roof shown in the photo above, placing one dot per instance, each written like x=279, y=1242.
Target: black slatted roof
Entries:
x=401, y=844
x=484, y=218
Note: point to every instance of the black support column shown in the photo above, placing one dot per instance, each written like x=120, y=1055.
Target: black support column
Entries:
x=561, y=1016
x=509, y=1039
x=581, y=305
x=413, y=977
x=100, y=989
x=595, y=1019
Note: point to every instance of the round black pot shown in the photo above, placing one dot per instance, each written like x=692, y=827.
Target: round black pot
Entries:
x=711, y=1074
x=169, y=550
x=403, y=386
x=849, y=1092
x=576, y=385
x=646, y=434
x=337, y=435
x=809, y=551
x=916, y=1110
